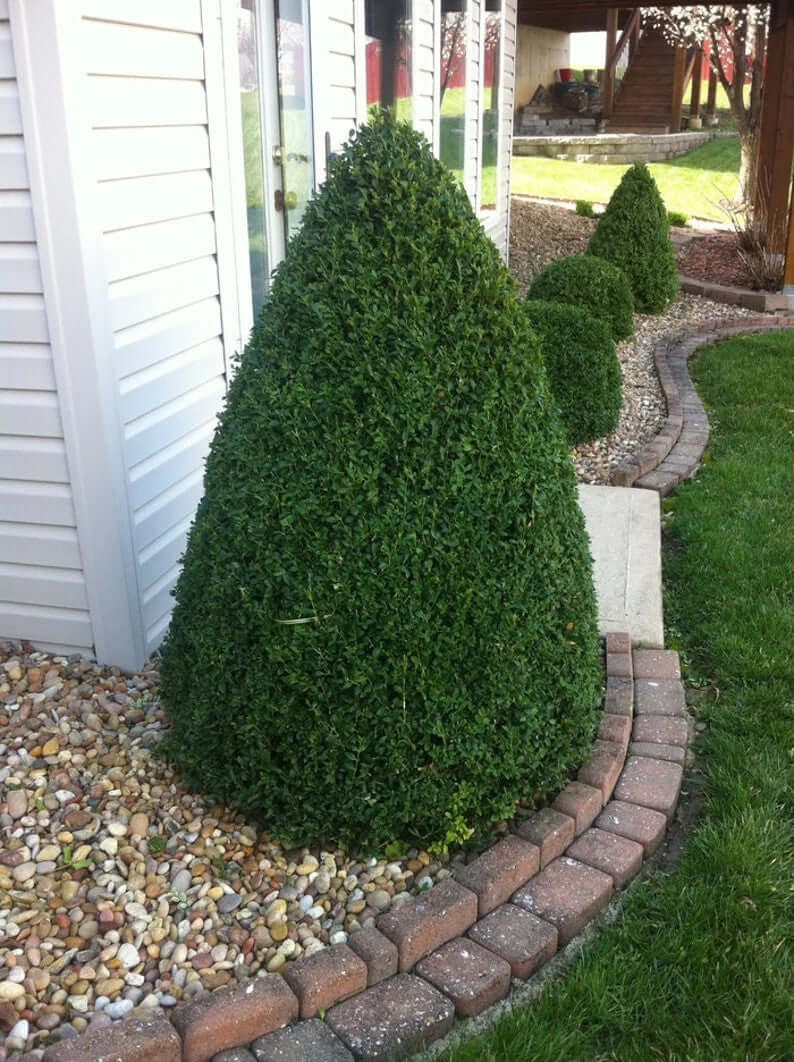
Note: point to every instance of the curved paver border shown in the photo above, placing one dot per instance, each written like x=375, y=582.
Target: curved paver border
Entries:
x=674, y=453
x=395, y=987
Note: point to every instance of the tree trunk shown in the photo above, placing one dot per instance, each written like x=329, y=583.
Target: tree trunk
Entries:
x=748, y=142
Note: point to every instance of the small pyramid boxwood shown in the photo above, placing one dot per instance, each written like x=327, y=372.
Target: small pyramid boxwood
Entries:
x=594, y=285
x=385, y=622
x=582, y=366
x=634, y=234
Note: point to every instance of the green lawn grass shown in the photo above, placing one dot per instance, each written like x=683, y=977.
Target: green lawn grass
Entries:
x=693, y=184
x=701, y=967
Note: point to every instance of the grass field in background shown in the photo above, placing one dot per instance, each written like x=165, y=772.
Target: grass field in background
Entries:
x=693, y=184
x=701, y=966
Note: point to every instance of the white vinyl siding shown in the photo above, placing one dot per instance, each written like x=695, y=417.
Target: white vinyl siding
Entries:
x=147, y=103
x=423, y=45
x=43, y=595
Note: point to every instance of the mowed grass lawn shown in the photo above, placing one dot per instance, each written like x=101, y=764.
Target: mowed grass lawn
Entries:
x=693, y=184
x=701, y=967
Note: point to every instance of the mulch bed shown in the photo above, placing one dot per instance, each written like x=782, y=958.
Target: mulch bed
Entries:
x=714, y=258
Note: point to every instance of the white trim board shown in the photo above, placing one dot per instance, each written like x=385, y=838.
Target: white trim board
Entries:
x=57, y=136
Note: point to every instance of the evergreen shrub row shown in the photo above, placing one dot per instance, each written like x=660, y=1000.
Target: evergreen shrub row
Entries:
x=593, y=284
x=583, y=368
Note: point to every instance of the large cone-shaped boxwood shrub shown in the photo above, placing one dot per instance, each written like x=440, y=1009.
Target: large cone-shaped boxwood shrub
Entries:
x=582, y=365
x=591, y=283
x=634, y=234
x=385, y=625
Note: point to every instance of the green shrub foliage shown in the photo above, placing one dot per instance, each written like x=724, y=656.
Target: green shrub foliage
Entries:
x=385, y=626
x=584, y=208
x=582, y=366
x=595, y=285
x=634, y=234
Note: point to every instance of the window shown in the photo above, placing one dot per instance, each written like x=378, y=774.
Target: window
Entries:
x=452, y=84
x=251, y=115
x=388, y=37
x=489, y=96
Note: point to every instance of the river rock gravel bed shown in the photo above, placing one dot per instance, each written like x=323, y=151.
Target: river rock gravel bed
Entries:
x=119, y=888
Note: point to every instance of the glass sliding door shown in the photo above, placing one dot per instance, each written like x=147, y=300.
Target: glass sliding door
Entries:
x=452, y=84
x=489, y=94
x=276, y=114
x=295, y=152
x=253, y=148
x=388, y=55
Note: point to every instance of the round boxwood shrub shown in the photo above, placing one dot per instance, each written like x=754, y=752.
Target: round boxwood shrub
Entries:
x=582, y=365
x=595, y=285
x=634, y=234
x=385, y=622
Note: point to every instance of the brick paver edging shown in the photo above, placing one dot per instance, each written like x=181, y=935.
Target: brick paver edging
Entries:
x=762, y=301
x=674, y=453
x=399, y=985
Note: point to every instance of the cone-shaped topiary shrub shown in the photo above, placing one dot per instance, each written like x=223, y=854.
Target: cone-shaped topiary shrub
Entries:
x=634, y=234
x=385, y=625
x=597, y=286
x=582, y=366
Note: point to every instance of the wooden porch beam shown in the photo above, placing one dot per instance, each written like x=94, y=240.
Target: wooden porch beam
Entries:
x=711, y=99
x=776, y=142
x=697, y=70
x=788, y=277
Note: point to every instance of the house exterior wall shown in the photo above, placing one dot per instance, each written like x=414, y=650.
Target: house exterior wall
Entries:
x=43, y=594
x=143, y=296
x=541, y=52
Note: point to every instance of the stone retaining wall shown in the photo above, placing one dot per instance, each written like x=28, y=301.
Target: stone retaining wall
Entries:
x=620, y=148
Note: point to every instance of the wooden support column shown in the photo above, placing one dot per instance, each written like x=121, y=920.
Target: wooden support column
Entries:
x=679, y=77
x=776, y=142
x=711, y=101
x=788, y=278
x=694, y=106
x=608, y=88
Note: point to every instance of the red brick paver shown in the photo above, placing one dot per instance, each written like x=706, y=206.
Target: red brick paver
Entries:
x=471, y=976
x=519, y=937
x=665, y=729
x=614, y=855
x=659, y=697
x=603, y=768
x=567, y=893
x=138, y=1038
x=551, y=831
x=639, y=824
x=392, y=1019
x=325, y=978
x=233, y=1016
x=378, y=952
x=497, y=873
x=651, y=783
x=438, y=915
x=615, y=728
x=308, y=1041
x=618, y=643
x=619, y=665
x=657, y=751
x=656, y=664
x=619, y=696
x=582, y=802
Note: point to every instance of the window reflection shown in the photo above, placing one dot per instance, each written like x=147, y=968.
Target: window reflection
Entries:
x=388, y=39
x=490, y=104
x=452, y=142
x=250, y=91
x=294, y=97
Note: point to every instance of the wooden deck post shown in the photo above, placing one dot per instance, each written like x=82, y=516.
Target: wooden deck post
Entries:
x=694, y=106
x=679, y=76
x=788, y=276
x=711, y=100
x=776, y=142
x=608, y=88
